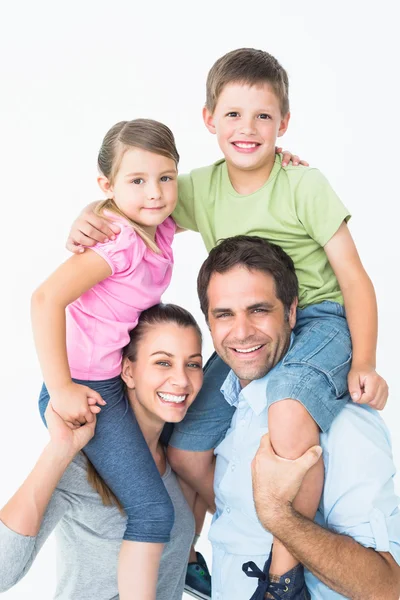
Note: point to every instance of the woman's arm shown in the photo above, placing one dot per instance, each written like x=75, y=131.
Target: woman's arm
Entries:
x=77, y=275
x=365, y=385
x=31, y=514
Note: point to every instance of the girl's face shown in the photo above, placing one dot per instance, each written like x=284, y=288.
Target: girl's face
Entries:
x=167, y=375
x=145, y=187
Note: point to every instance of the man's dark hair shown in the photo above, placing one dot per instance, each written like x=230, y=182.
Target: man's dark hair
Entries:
x=255, y=254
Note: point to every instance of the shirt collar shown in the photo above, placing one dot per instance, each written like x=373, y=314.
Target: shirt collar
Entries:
x=255, y=393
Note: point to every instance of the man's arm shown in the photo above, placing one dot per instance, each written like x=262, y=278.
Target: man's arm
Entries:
x=337, y=560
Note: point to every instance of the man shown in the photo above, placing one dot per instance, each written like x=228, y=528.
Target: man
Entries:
x=352, y=550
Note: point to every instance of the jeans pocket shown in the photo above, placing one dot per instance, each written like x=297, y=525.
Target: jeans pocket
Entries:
x=325, y=347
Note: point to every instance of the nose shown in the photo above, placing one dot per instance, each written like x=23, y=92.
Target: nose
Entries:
x=247, y=126
x=179, y=378
x=242, y=328
x=153, y=191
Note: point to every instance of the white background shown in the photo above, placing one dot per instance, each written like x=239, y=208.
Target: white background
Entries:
x=71, y=70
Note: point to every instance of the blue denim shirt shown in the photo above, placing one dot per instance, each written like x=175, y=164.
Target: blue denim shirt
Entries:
x=358, y=498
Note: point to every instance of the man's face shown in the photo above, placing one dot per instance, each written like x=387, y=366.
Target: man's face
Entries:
x=247, y=322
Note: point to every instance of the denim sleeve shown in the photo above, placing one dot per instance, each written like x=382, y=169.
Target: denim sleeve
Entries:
x=359, y=498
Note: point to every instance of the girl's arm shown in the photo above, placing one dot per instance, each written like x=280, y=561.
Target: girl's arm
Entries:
x=31, y=514
x=365, y=385
x=77, y=275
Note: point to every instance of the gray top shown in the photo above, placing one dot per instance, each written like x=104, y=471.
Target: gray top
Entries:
x=89, y=536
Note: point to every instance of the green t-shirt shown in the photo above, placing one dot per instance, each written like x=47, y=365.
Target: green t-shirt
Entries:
x=296, y=209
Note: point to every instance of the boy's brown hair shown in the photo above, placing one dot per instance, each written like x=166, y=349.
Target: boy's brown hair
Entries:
x=251, y=67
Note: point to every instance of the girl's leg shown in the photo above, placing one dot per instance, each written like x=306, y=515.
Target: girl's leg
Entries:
x=120, y=455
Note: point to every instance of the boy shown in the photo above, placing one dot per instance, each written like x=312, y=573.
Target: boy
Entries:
x=251, y=192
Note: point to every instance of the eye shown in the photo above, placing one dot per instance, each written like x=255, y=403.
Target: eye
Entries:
x=165, y=178
x=260, y=310
x=264, y=116
x=195, y=365
x=163, y=363
x=138, y=181
x=232, y=114
x=223, y=315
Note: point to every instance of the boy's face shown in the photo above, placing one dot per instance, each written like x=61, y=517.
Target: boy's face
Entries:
x=247, y=121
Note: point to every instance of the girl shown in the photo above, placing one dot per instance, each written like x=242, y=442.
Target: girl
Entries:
x=163, y=357
x=82, y=316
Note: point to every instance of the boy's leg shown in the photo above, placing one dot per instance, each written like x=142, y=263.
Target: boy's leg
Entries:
x=292, y=432
x=191, y=449
x=305, y=393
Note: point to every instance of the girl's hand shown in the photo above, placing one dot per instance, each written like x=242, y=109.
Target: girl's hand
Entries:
x=89, y=229
x=367, y=387
x=288, y=157
x=76, y=404
x=65, y=441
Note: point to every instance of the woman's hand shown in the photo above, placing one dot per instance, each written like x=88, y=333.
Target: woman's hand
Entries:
x=76, y=404
x=89, y=229
x=65, y=441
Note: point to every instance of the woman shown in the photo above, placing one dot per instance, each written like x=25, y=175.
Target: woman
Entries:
x=162, y=371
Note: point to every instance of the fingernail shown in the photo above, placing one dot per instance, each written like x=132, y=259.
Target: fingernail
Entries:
x=284, y=163
x=113, y=237
x=106, y=240
x=354, y=396
x=81, y=250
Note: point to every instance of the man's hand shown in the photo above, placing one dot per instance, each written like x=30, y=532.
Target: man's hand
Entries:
x=89, y=229
x=367, y=387
x=276, y=480
x=67, y=442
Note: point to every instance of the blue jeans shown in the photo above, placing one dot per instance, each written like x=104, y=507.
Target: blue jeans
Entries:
x=122, y=458
x=314, y=372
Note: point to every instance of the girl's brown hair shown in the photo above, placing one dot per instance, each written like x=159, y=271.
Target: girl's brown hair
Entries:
x=140, y=133
x=155, y=315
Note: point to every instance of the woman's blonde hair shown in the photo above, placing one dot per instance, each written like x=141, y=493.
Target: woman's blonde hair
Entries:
x=140, y=133
x=155, y=315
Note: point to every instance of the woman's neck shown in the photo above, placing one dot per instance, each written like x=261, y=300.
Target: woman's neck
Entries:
x=150, y=425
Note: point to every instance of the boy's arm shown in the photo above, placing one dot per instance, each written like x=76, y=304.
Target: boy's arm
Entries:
x=365, y=385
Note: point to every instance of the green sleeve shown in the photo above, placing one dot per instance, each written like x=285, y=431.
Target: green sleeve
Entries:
x=184, y=214
x=319, y=209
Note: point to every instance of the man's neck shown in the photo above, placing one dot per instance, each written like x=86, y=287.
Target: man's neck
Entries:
x=247, y=182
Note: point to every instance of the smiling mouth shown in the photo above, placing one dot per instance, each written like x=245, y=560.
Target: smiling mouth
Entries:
x=248, y=351
x=172, y=398
x=246, y=145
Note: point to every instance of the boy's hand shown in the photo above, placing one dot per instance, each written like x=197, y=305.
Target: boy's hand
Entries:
x=367, y=387
x=89, y=229
x=76, y=404
x=288, y=157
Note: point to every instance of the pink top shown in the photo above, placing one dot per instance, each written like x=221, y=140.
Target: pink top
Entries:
x=99, y=322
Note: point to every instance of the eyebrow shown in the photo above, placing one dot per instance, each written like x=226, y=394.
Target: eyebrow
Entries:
x=171, y=355
x=266, y=305
x=160, y=174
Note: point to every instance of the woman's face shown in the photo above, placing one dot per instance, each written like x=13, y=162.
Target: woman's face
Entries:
x=167, y=375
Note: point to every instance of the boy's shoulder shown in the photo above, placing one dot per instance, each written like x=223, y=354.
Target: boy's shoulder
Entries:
x=208, y=170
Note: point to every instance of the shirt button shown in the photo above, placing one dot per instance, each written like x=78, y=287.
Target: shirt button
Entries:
x=228, y=510
x=233, y=467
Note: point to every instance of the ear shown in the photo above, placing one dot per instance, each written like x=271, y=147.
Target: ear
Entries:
x=127, y=374
x=284, y=124
x=105, y=186
x=293, y=313
x=208, y=120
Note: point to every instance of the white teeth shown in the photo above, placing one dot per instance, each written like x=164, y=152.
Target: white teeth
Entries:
x=172, y=398
x=245, y=145
x=248, y=349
